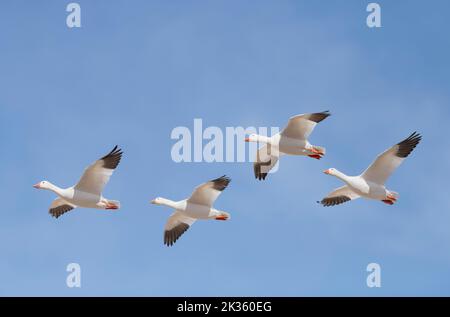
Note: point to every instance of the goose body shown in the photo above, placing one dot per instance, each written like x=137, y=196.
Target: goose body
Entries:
x=293, y=140
x=197, y=206
x=371, y=183
x=87, y=193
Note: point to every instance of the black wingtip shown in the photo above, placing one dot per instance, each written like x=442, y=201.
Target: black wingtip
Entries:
x=319, y=116
x=221, y=183
x=112, y=159
x=115, y=150
x=222, y=178
x=407, y=145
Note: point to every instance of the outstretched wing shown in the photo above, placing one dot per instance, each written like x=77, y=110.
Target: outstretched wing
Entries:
x=301, y=126
x=176, y=225
x=386, y=163
x=339, y=196
x=97, y=175
x=60, y=207
x=207, y=193
x=266, y=159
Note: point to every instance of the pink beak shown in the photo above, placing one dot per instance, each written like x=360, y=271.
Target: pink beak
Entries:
x=327, y=172
x=247, y=139
x=37, y=186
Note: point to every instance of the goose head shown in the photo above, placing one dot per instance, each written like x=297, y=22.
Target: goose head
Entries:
x=42, y=185
x=331, y=171
x=157, y=201
x=252, y=138
x=164, y=202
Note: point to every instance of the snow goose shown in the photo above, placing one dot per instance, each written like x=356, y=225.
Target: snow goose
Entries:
x=293, y=140
x=370, y=184
x=88, y=191
x=198, y=206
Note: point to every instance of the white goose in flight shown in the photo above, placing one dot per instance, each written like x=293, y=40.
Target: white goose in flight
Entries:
x=370, y=184
x=88, y=191
x=198, y=206
x=293, y=140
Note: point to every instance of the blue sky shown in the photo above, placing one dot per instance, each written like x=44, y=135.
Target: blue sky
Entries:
x=135, y=70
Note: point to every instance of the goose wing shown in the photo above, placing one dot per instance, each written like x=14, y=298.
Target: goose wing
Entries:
x=388, y=161
x=339, y=196
x=97, y=175
x=60, y=207
x=301, y=126
x=176, y=225
x=206, y=193
x=266, y=159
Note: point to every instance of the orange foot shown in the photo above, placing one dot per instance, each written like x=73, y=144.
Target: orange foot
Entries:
x=387, y=201
x=111, y=206
x=390, y=197
x=316, y=156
